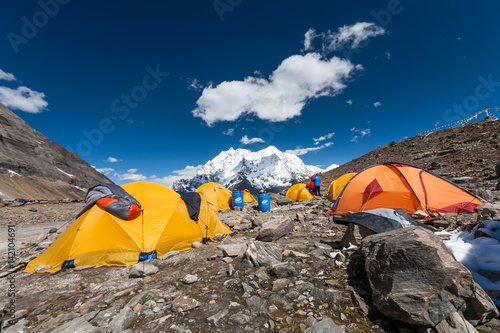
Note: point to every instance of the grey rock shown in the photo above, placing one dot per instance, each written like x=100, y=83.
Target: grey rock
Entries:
x=240, y=318
x=218, y=316
x=78, y=325
x=196, y=245
x=256, y=303
x=245, y=264
x=488, y=212
x=326, y=326
x=169, y=255
x=283, y=269
x=262, y=253
x=233, y=249
x=218, y=237
x=284, y=202
x=416, y=280
x=123, y=320
x=497, y=170
x=323, y=295
x=41, y=309
x=189, y=279
x=455, y=323
x=20, y=326
x=280, y=284
x=84, y=267
x=184, y=303
x=143, y=268
x=137, y=299
x=52, y=230
x=274, y=228
x=32, y=209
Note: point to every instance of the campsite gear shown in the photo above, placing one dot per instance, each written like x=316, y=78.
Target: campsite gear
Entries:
x=247, y=197
x=219, y=197
x=166, y=224
x=264, y=202
x=336, y=187
x=395, y=185
x=113, y=199
x=299, y=192
x=238, y=199
x=375, y=221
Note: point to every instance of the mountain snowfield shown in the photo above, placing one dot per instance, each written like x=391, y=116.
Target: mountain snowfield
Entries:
x=268, y=169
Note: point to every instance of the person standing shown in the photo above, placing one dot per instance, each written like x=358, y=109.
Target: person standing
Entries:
x=317, y=184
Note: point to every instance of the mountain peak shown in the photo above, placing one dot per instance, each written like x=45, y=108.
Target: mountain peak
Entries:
x=268, y=169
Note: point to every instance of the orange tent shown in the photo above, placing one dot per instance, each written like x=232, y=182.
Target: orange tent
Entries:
x=393, y=185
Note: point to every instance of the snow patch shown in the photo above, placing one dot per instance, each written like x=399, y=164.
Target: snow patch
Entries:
x=67, y=174
x=13, y=173
x=80, y=188
x=478, y=254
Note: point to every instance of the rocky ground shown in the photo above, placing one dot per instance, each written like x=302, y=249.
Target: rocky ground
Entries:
x=291, y=279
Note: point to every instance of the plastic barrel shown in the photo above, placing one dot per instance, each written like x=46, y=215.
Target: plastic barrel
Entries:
x=264, y=202
x=238, y=199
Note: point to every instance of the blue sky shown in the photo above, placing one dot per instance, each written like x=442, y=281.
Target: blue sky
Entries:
x=151, y=90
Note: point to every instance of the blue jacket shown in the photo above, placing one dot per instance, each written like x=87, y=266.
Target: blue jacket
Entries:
x=317, y=180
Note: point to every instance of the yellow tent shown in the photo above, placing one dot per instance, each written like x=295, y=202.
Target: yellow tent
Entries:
x=247, y=197
x=102, y=239
x=219, y=197
x=338, y=185
x=299, y=192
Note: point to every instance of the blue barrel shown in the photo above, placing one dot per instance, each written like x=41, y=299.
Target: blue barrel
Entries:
x=264, y=202
x=238, y=199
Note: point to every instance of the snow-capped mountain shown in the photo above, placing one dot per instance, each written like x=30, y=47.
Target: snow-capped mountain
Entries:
x=268, y=169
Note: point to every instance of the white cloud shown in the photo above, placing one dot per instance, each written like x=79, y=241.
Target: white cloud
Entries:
x=388, y=55
x=377, y=104
x=194, y=85
x=112, y=159
x=105, y=171
x=23, y=98
x=297, y=80
x=349, y=101
x=229, y=132
x=131, y=175
x=361, y=132
x=302, y=151
x=308, y=38
x=246, y=141
x=188, y=172
x=323, y=138
x=6, y=76
x=350, y=36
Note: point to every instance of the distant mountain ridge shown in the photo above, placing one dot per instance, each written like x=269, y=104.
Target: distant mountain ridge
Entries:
x=268, y=169
x=33, y=167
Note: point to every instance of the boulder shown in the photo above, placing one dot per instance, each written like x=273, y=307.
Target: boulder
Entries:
x=262, y=253
x=184, y=303
x=284, y=202
x=233, y=249
x=416, y=280
x=274, y=228
x=124, y=319
x=326, y=326
x=455, y=323
x=143, y=268
x=489, y=212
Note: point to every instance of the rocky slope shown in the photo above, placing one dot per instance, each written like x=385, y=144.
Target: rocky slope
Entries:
x=471, y=151
x=268, y=169
x=33, y=167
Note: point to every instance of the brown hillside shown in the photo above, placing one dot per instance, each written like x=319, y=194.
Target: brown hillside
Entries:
x=33, y=167
x=471, y=150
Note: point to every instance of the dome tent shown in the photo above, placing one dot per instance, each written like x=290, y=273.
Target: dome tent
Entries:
x=395, y=185
x=247, y=197
x=99, y=238
x=219, y=197
x=338, y=185
x=299, y=192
